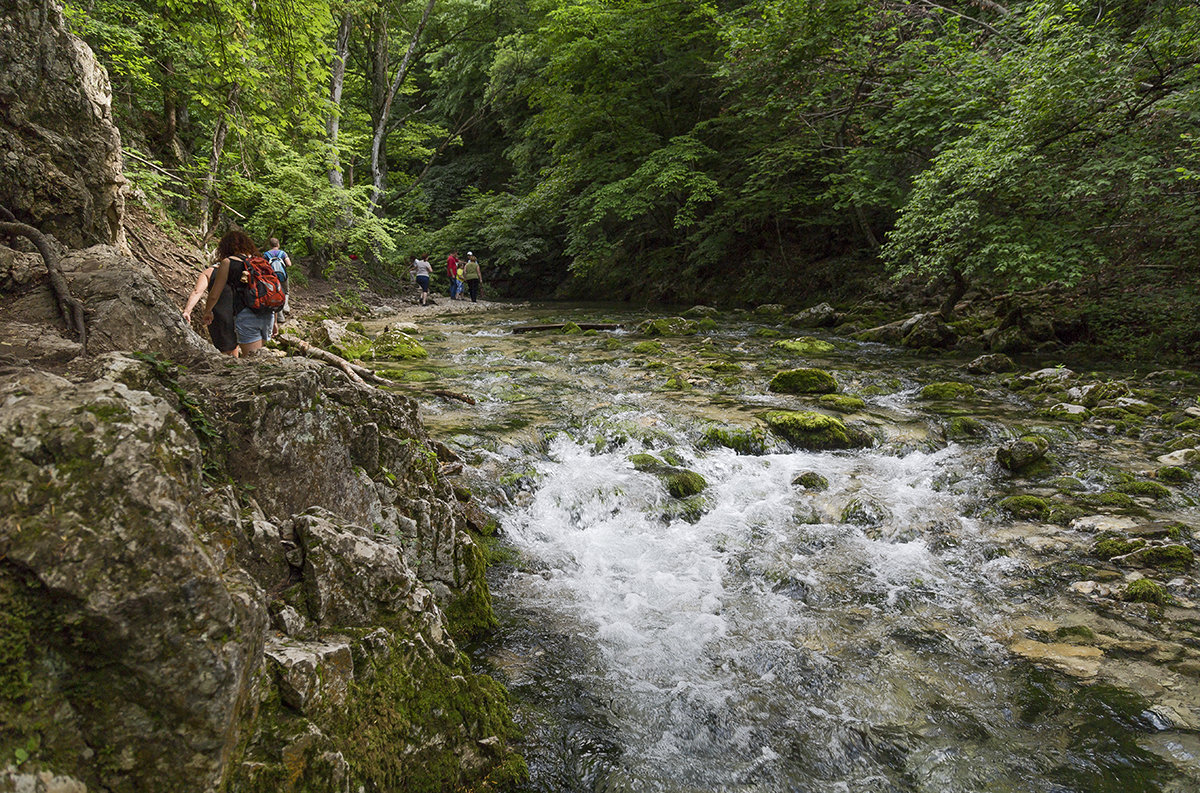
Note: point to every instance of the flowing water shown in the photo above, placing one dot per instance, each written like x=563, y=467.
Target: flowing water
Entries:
x=763, y=636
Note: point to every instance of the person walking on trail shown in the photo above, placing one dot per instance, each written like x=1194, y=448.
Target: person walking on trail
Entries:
x=280, y=263
x=452, y=274
x=220, y=330
x=252, y=326
x=422, y=269
x=471, y=274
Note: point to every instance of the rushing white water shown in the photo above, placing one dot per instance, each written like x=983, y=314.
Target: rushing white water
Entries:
x=723, y=641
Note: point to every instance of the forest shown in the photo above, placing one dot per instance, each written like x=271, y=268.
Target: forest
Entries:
x=658, y=150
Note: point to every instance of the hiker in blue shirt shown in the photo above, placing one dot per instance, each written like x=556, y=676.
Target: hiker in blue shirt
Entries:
x=280, y=263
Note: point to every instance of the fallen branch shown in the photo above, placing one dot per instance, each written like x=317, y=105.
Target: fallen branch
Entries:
x=70, y=308
x=453, y=395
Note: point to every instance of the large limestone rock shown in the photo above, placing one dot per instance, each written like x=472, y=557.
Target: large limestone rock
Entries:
x=125, y=618
x=60, y=154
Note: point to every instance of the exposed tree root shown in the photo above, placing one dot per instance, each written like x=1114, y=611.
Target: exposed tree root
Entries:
x=359, y=374
x=70, y=308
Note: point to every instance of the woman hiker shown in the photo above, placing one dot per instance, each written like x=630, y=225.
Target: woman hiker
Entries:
x=471, y=274
x=220, y=330
x=253, y=327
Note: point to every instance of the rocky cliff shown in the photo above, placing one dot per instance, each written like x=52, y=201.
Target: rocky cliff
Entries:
x=214, y=575
x=60, y=155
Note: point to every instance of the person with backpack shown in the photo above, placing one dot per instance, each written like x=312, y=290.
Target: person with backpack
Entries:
x=221, y=329
x=280, y=263
x=257, y=292
x=471, y=274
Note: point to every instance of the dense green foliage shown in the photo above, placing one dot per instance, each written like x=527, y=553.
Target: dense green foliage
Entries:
x=633, y=147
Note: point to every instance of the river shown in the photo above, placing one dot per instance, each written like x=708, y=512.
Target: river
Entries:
x=880, y=634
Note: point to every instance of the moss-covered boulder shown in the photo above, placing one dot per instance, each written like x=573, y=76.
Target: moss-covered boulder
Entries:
x=1022, y=454
x=1169, y=558
x=770, y=311
x=1143, y=487
x=1145, y=591
x=668, y=326
x=1173, y=474
x=948, y=391
x=815, y=431
x=680, y=482
x=397, y=345
x=743, y=440
x=804, y=345
x=571, y=329
x=965, y=428
x=1026, y=506
x=647, y=348
x=928, y=331
x=701, y=312
x=810, y=480
x=803, y=381
x=841, y=403
x=336, y=338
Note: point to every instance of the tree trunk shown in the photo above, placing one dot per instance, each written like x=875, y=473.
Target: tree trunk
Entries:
x=208, y=196
x=336, y=82
x=958, y=289
x=378, y=159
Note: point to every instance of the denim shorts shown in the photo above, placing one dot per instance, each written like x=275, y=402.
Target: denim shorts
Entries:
x=252, y=327
x=423, y=282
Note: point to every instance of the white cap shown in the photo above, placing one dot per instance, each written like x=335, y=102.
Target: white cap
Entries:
x=470, y=254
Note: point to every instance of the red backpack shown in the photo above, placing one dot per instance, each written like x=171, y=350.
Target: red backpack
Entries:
x=261, y=289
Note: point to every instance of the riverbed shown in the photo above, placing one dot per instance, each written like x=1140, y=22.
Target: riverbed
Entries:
x=892, y=630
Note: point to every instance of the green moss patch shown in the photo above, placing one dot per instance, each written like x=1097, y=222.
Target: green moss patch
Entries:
x=804, y=345
x=1173, y=474
x=841, y=403
x=1026, y=507
x=803, y=381
x=668, y=326
x=1145, y=591
x=811, y=480
x=814, y=431
x=743, y=440
x=397, y=345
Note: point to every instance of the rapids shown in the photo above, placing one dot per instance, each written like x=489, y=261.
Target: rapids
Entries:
x=763, y=636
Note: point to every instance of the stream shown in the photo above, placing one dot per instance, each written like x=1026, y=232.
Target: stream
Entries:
x=886, y=633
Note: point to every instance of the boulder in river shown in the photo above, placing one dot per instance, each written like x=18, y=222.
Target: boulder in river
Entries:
x=808, y=429
x=1020, y=454
x=821, y=315
x=395, y=344
x=805, y=345
x=803, y=381
x=927, y=330
x=991, y=364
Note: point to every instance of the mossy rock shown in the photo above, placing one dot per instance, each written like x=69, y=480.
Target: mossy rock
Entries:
x=964, y=428
x=1023, y=453
x=770, y=310
x=397, y=345
x=1109, y=498
x=1139, y=487
x=679, y=382
x=841, y=403
x=1145, y=591
x=647, y=347
x=647, y=463
x=668, y=326
x=682, y=483
x=948, y=391
x=804, y=345
x=1113, y=545
x=1026, y=507
x=1173, y=474
x=689, y=509
x=1063, y=514
x=814, y=431
x=722, y=366
x=706, y=324
x=571, y=329
x=767, y=333
x=803, y=381
x=702, y=312
x=811, y=480
x=1170, y=558
x=610, y=343
x=743, y=440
